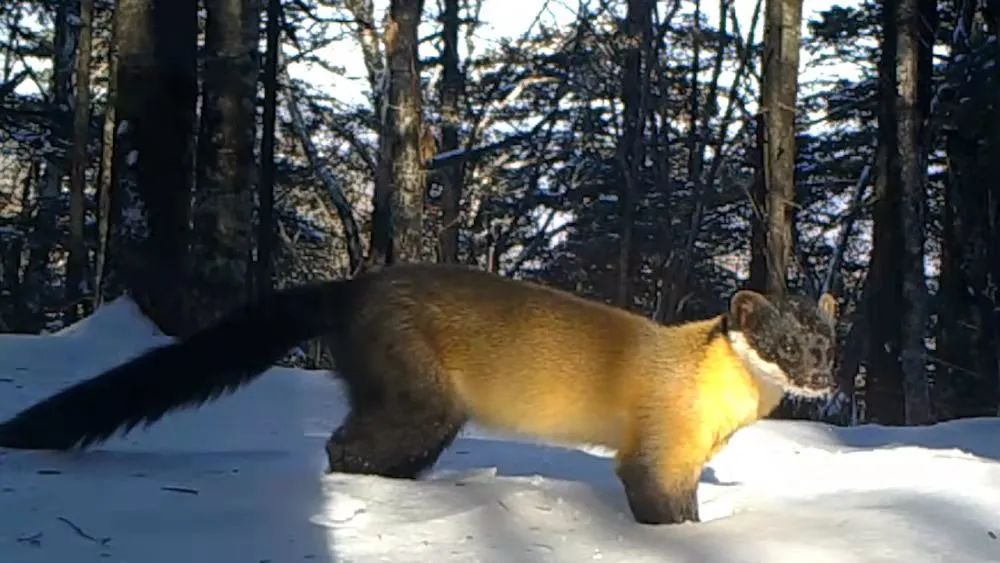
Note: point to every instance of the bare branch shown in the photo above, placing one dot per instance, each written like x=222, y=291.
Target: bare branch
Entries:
x=332, y=185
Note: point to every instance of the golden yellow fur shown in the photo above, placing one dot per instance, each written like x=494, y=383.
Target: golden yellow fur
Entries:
x=527, y=359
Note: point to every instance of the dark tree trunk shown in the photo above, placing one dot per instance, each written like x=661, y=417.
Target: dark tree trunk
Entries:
x=637, y=35
x=452, y=176
x=897, y=391
x=76, y=264
x=990, y=305
x=911, y=105
x=397, y=230
x=45, y=233
x=265, y=190
x=223, y=202
x=966, y=378
x=779, y=94
x=19, y=319
x=156, y=96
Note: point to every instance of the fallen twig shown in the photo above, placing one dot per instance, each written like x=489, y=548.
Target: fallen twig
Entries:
x=33, y=539
x=85, y=535
x=180, y=490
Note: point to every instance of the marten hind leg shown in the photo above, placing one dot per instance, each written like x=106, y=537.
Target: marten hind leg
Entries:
x=660, y=475
x=395, y=439
x=403, y=412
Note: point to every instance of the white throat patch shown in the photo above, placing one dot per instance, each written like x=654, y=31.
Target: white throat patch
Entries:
x=767, y=373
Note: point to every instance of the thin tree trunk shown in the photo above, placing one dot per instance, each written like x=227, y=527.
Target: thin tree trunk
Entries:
x=12, y=281
x=368, y=38
x=397, y=230
x=452, y=177
x=105, y=181
x=77, y=261
x=223, y=202
x=758, y=211
x=265, y=190
x=779, y=94
x=45, y=233
x=637, y=35
x=844, y=236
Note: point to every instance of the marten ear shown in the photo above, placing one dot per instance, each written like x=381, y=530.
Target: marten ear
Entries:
x=828, y=304
x=744, y=305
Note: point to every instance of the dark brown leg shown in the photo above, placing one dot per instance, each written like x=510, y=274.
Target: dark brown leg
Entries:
x=655, y=498
x=395, y=440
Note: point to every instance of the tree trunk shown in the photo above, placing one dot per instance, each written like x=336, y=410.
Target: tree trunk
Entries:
x=265, y=190
x=779, y=93
x=452, y=177
x=223, y=204
x=156, y=96
x=912, y=162
x=758, y=213
x=884, y=307
x=990, y=305
x=19, y=319
x=76, y=264
x=897, y=305
x=966, y=379
x=365, y=31
x=637, y=34
x=45, y=233
x=397, y=230
x=106, y=212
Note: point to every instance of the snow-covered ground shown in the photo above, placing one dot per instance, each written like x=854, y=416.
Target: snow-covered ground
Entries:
x=242, y=480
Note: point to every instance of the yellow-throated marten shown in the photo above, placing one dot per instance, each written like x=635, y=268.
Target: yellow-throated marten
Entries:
x=423, y=348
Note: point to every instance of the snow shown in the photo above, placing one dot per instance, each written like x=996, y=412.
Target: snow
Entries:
x=242, y=480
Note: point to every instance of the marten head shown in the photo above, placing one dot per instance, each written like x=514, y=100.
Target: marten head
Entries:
x=788, y=342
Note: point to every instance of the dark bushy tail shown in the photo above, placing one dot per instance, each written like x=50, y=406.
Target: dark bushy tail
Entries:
x=203, y=367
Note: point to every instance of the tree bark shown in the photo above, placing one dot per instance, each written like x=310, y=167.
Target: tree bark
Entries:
x=637, y=34
x=157, y=93
x=19, y=319
x=265, y=190
x=758, y=212
x=45, y=234
x=76, y=264
x=106, y=212
x=966, y=378
x=452, y=177
x=779, y=93
x=223, y=204
x=397, y=230
x=897, y=388
x=910, y=114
